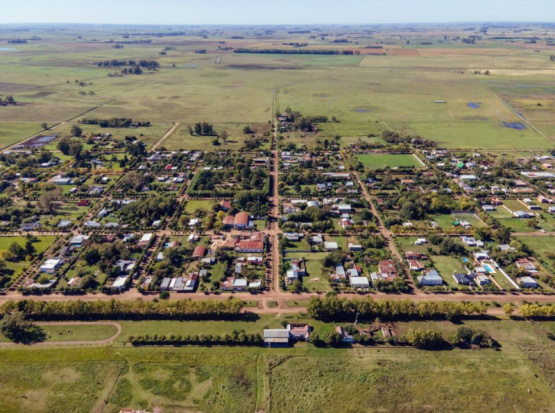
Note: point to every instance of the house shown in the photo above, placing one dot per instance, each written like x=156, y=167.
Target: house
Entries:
x=51, y=266
x=415, y=265
x=527, y=282
x=225, y=205
x=482, y=279
x=420, y=241
x=299, y=332
x=276, y=337
x=388, y=267
x=345, y=338
x=192, y=238
x=199, y=251
x=316, y=239
x=292, y=236
x=64, y=224
x=480, y=256
x=291, y=275
x=488, y=208
x=344, y=208
x=228, y=221
x=125, y=266
x=462, y=279
x=354, y=247
x=145, y=239
x=527, y=265
x=241, y=220
x=184, y=284
x=120, y=282
x=165, y=284
x=360, y=283
x=470, y=241
x=250, y=246
x=30, y=226
x=523, y=214
x=193, y=222
x=331, y=246
x=430, y=278
x=77, y=241
x=552, y=209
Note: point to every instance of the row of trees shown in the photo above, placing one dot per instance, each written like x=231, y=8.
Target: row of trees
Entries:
x=299, y=51
x=236, y=338
x=536, y=310
x=114, y=309
x=336, y=309
x=114, y=122
x=147, y=64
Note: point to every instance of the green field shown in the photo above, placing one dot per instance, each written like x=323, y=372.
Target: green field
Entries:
x=366, y=94
x=241, y=379
x=69, y=333
x=375, y=161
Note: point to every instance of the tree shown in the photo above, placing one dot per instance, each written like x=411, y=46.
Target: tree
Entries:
x=92, y=256
x=76, y=131
x=224, y=135
x=15, y=328
x=3, y=267
x=424, y=338
x=47, y=200
x=44, y=125
x=16, y=252
x=508, y=309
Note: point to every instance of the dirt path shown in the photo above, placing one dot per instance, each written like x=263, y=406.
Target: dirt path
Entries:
x=72, y=343
x=168, y=133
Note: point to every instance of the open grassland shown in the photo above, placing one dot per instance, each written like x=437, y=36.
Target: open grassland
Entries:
x=304, y=378
x=366, y=94
x=13, y=132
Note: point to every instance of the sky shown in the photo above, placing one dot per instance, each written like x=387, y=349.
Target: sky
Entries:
x=241, y=12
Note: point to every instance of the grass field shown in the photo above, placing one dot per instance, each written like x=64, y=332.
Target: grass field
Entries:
x=541, y=247
x=375, y=161
x=239, y=379
x=366, y=94
x=69, y=333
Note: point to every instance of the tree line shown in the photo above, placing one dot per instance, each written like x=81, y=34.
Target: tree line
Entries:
x=336, y=309
x=145, y=64
x=298, y=51
x=115, y=122
x=235, y=338
x=185, y=309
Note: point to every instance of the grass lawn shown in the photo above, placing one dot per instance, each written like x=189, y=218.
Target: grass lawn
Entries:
x=375, y=161
x=446, y=266
x=69, y=333
x=17, y=267
x=314, y=280
x=193, y=206
x=540, y=246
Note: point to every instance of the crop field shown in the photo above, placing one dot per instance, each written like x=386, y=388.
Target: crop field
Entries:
x=375, y=161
